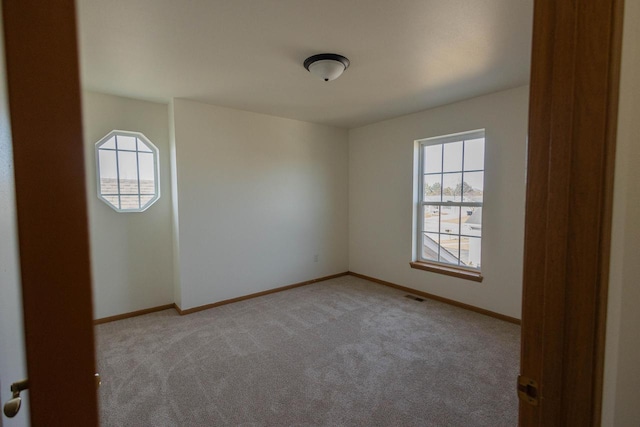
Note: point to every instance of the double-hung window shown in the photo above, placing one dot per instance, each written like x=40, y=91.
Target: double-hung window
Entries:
x=451, y=190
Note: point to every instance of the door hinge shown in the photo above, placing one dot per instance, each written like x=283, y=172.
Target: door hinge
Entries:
x=528, y=390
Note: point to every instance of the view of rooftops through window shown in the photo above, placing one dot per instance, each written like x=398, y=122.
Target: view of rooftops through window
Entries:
x=452, y=195
x=127, y=171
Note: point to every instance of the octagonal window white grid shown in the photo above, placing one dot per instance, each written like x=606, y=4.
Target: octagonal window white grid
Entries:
x=127, y=171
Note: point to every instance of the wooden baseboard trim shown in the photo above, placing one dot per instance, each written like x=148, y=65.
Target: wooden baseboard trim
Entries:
x=255, y=295
x=133, y=314
x=440, y=299
x=297, y=285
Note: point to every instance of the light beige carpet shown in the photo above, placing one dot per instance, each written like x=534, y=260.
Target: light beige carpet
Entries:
x=345, y=352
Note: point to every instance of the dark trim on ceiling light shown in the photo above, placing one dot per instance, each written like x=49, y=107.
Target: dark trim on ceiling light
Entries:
x=323, y=56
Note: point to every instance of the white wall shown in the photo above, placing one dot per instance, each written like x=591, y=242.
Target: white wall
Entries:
x=131, y=253
x=12, y=355
x=175, y=217
x=259, y=197
x=622, y=356
x=381, y=207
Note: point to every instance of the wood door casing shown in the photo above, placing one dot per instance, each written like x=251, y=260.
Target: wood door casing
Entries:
x=44, y=103
x=572, y=122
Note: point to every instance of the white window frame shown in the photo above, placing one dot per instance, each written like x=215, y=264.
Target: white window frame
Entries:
x=442, y=140
x=156, y=160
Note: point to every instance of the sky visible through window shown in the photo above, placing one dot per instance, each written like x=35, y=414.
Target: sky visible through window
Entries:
x=453, y=191
x=127, y=172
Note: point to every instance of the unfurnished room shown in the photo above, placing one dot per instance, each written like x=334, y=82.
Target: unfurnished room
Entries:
x=320, y=213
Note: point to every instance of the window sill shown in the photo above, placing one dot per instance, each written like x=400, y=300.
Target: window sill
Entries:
x=460, y=273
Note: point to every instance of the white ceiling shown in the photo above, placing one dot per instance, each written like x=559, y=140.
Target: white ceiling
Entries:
x=406, y=55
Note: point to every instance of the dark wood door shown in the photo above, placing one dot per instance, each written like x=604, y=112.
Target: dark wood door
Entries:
x=46, y=130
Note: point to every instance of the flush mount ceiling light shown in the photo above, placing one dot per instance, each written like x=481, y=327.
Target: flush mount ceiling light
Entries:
x=327, y=66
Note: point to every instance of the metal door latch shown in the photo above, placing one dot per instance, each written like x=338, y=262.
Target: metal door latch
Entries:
x=528, y=390
x=12, y=406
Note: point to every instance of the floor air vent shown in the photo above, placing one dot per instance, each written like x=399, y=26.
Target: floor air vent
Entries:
x=413, y=297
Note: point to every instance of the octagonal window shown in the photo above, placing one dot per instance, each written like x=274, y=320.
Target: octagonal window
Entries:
x=127, y=168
